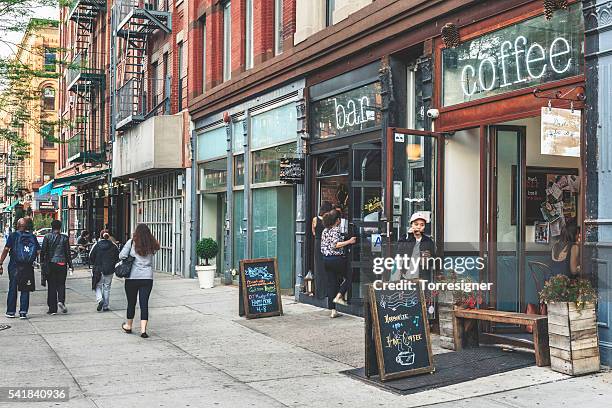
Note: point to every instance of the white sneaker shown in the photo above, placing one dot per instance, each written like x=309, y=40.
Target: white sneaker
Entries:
x=62, y=308
x=334, y=314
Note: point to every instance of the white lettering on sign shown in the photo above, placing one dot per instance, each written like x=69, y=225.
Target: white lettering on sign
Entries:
x=354, y=113
x=533, y=59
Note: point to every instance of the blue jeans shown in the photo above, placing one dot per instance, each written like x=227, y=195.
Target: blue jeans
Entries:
x=103, y=289
x=11, y=299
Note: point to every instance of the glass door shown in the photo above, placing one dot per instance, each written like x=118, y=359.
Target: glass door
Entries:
x=506, y=246
x=413, y=185
x=365, y=206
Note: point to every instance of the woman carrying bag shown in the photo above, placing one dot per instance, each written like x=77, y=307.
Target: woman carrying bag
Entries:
x=138, y=251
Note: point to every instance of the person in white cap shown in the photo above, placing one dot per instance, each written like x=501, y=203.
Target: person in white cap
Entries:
x=417, y=245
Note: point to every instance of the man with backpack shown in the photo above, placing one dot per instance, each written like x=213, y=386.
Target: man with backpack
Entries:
x=23, y=248
x=55, y=259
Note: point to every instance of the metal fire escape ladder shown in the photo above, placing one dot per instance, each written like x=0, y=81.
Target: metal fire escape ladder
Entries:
x=84, y=82
x=134, y=23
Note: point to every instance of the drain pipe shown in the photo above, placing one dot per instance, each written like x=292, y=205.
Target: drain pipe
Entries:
x=195, y=214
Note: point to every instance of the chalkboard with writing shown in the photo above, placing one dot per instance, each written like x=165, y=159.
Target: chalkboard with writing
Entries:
x=260, y=288
x=401, y=333
x=291, y=170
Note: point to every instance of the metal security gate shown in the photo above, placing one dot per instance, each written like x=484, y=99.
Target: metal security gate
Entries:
x=157, y=202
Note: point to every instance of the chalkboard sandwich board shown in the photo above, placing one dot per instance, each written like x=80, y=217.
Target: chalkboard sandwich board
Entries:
x=260, y=288
x=401, y=333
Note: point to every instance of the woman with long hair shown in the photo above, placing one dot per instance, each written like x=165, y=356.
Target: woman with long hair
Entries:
x=565, y=252
x=142, y=246
x=319, y=268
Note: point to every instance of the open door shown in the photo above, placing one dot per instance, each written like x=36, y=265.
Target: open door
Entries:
x=413, y=183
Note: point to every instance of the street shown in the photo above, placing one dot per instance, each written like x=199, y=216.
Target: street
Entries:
x=201, y=354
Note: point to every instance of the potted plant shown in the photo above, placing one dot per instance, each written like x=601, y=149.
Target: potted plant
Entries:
x=572, y=325
x=206, y=249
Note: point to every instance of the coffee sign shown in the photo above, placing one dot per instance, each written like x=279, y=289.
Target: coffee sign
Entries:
x=523, y=55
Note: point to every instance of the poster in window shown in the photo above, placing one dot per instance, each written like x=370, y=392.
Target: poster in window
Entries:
x=551, y=193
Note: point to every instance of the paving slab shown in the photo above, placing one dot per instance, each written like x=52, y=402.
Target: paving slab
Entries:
x=222, y=396
x=248, y=367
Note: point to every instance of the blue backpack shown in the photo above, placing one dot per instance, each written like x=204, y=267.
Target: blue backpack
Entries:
x=25, y=248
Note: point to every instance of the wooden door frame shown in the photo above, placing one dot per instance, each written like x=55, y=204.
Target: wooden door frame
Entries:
x=488, y=160
x=439, y=190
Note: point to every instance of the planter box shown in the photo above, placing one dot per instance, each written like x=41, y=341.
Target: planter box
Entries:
x=206, y=275
x=574, y=346
x=446, y=307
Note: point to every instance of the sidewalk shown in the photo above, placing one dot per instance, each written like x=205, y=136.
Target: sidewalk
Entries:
x=201, y=354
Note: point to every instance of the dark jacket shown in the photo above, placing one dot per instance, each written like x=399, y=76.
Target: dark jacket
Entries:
x=406, y=245
x=56, y=249
x=103, y=257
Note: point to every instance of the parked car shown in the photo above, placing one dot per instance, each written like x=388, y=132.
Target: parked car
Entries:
x=40, y=234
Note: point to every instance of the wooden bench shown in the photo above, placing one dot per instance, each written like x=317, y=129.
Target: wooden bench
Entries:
x=538, y=322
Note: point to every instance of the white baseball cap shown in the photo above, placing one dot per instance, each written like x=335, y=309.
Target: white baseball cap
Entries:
x=420, y=215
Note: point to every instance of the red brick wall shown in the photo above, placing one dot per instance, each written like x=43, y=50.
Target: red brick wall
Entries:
x=263, y=29
x=238, y=12
x=263, y=41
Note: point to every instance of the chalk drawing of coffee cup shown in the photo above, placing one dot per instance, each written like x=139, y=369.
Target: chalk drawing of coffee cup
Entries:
x=405, y=358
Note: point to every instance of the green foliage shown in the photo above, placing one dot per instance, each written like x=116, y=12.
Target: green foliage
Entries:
x=16, y=76
x=207, y=248
x=42, y=221
x=560, y=288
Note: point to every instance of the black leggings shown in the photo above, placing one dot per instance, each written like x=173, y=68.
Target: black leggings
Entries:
x=337, y=278
x=140, y=288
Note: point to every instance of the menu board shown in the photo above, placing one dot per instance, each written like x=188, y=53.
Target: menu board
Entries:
x=260, y=288
x=400, y=332
x=291, y=170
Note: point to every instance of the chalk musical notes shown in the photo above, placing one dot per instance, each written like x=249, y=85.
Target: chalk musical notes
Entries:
x=415, y=321
x=397, y=299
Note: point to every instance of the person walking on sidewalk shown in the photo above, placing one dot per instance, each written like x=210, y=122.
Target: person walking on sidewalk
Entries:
x=23, y=248
x=103, y=257
x=319, y=268
x=55, y=259
x=332, y=248
x=142, y=246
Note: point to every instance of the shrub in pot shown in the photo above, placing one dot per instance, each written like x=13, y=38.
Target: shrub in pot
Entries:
x=206, y=249
x=572, y=325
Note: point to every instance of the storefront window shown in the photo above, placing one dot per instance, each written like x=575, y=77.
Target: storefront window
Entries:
x=239, y=227
x=273, y=226
x=238, y=136
x=239, y=170
x=523, y=55
x=213, y=175
x=274, y=126
x=348, y=112
x=266, y=163
x=212, y=143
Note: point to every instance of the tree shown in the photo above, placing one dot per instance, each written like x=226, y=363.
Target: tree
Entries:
x=16, y=76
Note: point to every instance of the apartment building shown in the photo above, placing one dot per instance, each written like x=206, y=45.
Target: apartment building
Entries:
x=31, y=115
x=123, y=96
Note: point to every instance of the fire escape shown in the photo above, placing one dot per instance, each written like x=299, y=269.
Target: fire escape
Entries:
x=86, y=83
x=134, y=23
